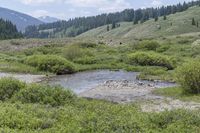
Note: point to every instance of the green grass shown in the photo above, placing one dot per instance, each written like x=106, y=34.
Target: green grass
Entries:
x=18, y=68
x=178, y=93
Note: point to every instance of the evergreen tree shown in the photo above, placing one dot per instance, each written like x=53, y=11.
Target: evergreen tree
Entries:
x=108, y=28
x=8, y=30
x=113, y=25
x=165, y=17
x=197, y=23
x=193, y=21
x=156, y=19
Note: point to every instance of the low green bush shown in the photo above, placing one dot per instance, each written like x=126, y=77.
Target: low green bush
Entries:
x=148, y=45
x=51, y=63
x=163, y=48
x=44, y=94
x=86, y=60
x=178, y=121
x=8, y=87
x=72, y=52
x=150, y=59
x=188, y=76
x=87, y=45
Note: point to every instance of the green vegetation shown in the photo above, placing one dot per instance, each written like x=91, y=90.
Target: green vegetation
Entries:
x=41, y=108
x=150, y=59
x=8, y=87
x=43, y=94
x=50, y=63
x=156, y=55
x=156, y=48
x=188, y=76
x=148, y=45
x=178, y=93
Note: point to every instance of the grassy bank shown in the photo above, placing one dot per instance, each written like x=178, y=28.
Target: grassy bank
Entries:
x=178, y=93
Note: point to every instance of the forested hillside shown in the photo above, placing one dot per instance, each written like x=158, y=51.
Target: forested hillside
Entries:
x=76, y=26
x=8, y=30
x=171, y=25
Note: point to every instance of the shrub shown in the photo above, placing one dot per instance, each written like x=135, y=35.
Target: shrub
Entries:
x=87, y=45
x=188, y=76
x=51, y=63
x=44, y=94
x=9, y=86
x=150, y=59
x=163, y=48
x=148, y=45
x=86, y=60
x=73, y=52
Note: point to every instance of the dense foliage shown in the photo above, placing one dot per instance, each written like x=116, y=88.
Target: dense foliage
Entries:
x=8, y=30
x=51, y=63
x=76, y=26
x=188, y=76
x=8, y=87
x=148, y=45
x=150, y=59
x=38, y=108
x=44, y=94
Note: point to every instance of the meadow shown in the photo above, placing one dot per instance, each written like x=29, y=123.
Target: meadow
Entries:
x=43, y=108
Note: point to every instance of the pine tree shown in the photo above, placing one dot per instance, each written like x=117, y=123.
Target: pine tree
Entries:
x=193, y=21
x=156, y=18
x=8, y=30
x=165, y=17
x=113, y=25
x=108, y=28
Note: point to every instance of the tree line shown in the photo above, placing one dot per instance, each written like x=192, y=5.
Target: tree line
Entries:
x=76, y=26
x=8, y=30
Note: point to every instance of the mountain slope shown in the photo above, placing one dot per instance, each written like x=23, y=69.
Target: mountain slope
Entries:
x=48, y=19
x=175, y=24
x=19, y=19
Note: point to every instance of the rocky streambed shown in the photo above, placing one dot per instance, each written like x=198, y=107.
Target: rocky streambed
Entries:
x=137, y=92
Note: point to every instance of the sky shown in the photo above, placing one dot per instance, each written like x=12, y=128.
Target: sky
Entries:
x=65, y=9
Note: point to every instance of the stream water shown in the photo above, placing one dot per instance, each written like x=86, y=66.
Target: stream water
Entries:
x=83, y=81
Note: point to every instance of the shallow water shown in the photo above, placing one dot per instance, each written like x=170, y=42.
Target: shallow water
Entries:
x=83, y=81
